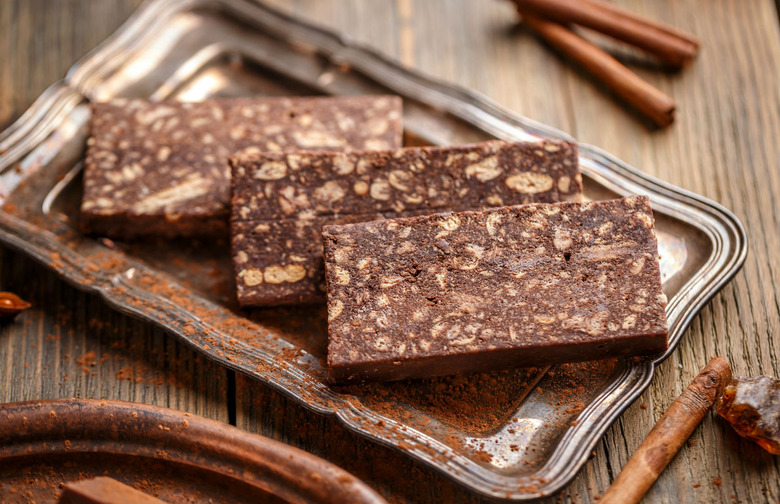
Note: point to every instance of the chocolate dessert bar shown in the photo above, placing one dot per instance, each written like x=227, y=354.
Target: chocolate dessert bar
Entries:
x=160, y=168
x=527, y=285
x=281, y=200
x=103, y=490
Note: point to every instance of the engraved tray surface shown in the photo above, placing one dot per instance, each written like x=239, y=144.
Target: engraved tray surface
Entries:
x=515, y=434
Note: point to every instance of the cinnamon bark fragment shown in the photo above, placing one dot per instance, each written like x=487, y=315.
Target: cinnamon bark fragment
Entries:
x=752, y=406
x=668, y=435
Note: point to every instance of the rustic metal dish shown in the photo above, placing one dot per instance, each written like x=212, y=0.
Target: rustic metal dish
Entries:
x=525, y=435
x=172, y=455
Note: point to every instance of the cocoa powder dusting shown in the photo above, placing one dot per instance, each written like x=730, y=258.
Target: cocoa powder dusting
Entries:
x=569, y=383
x=475, y=403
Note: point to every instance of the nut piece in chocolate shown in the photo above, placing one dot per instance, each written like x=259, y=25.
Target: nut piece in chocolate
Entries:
x=281, y=201
x=527, y=285
x=160, y=168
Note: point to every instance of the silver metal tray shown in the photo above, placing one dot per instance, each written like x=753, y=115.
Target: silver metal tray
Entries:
x=518, y=435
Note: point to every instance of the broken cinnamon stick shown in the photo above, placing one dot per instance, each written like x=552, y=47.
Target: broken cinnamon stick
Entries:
x=668, y=435
x=645, y=97
x=668, y=44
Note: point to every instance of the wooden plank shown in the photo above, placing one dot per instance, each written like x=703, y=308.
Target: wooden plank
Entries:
x=721, y=146
x=71, y=344
x=41, y=40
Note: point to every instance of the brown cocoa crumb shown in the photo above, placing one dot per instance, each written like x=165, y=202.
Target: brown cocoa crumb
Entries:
x=86, y=361
x=575, y=409
x=483, y=456
x=475, y=403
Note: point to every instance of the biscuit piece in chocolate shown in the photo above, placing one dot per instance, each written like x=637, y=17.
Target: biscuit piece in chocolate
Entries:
x=160, y=168
x=103, y=490
x=281, y=201
x=527, y=285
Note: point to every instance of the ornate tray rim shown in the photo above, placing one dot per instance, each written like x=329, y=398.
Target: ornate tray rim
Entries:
x=722, y=227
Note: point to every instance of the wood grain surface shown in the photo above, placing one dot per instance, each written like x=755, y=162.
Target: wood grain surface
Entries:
x=724, y=145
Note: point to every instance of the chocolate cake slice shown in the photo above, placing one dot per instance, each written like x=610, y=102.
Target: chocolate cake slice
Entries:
x=527, y=285
x=161, y=168
x=281, y=201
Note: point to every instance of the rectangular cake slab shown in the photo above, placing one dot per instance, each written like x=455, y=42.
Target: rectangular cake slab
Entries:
x=161, y=168
x=299, y=185
x=528, y=285
x=281, y=201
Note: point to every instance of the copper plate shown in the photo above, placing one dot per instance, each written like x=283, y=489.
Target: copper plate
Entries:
x=523, y=443
x=169, y=454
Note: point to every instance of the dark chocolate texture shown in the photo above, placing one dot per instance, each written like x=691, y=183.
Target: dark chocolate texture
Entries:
x=160, y=168
x=527, y=285
x=281, y=201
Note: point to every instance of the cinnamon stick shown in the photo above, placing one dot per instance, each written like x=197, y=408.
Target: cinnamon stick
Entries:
x=645, y=97
x=665, y=42
x=668, y=435
x=691, y=39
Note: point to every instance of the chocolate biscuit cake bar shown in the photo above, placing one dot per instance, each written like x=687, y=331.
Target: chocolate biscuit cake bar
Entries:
x=161, y=168
x=528, y=285
x=103, y=490
x=280, y=201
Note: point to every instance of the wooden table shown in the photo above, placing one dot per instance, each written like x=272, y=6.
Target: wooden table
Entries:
x=724, y=146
